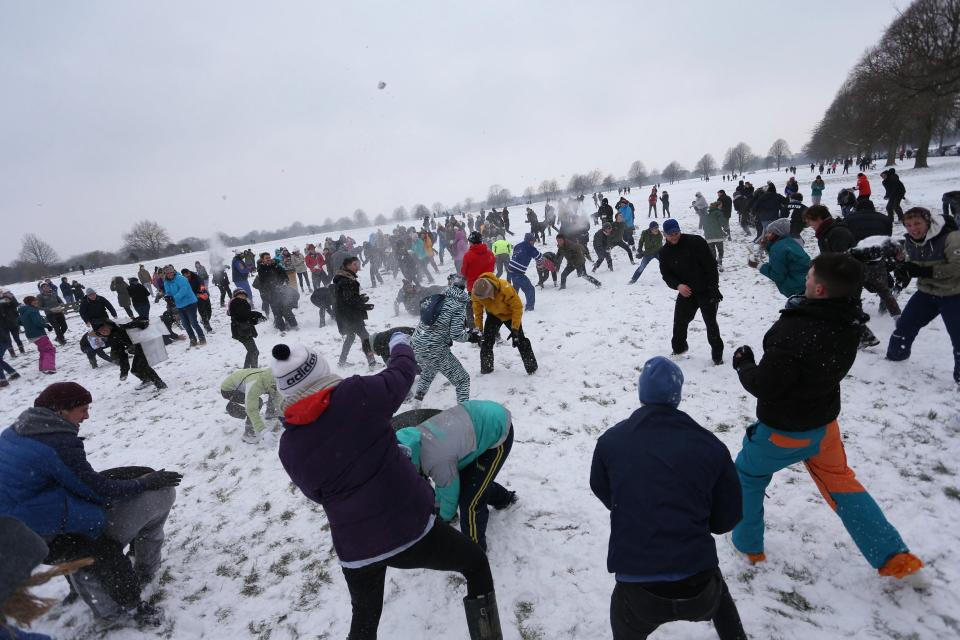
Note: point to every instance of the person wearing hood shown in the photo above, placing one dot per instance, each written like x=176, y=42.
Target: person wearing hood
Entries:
x=244, y=390
x=502, y=305
x=243, y=326
x=477, y=261
x=119, y=286
x=932, y=256
x=788, y=263
x=240, y=273
x=23, y=552
x=50, y=486
x=605, y=212
x=807, y=353
x=10, y=321
x=339, y=449
x=700, y=207
x=54, y=309
x=894, y=194
x=665, y=201
x=350, y=310
x=36, y=329
x=670, y=486
x=95, y=307
x=122, y=346
x=139, y=298
x=461, y=450
x=178, y=287
x=436, y=333
x=523, y=253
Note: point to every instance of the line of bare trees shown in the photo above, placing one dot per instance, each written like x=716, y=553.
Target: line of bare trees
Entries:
x=904, y=90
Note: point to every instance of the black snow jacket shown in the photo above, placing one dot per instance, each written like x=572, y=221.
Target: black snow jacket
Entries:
x=767, y=206
x=726, y=204
x=243, y=319
x=349, y=305
x=806, y=353
x=690, y=262
x=97, y=309
x=864, y=223
x=894, y=188
x=138, y=294
x=834, y=236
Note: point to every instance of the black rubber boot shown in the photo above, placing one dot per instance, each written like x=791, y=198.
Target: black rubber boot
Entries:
x=483, y=619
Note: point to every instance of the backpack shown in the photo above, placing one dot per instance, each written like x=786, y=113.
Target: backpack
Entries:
x=430, y=308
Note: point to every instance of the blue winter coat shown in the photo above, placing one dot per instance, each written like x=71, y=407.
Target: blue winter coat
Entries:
x=46, y=481
x=181, y=291
x=34, y=326
x=627, y=212
x=239, y=269
x=787, y=267
x=669, y=483
x=523, y=253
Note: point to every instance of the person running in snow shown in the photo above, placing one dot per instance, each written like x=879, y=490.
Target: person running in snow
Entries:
x=788, y=263
x=523, y=253
x=139, y=298
x=6, y=369
x=339, y=449
x=119, y=286
x=670, y=486
x=576, y=256
x=432, y=341
x=462, y=450
x=651, y=241
x=121, y=346
x=243, y=326
x=222, y=281
x=350, y=310
x=665, y=201
x=502, y=305
x=50, y=486
x=932, y=255
x=478, y=260
x=687, y=265
x=807, y=352
x=895, y=193
x=652, y=203
x=502, y=250
x=715, y=231
x=244, y=390
x=35, y=329
x=54, y=311
x=178, y=288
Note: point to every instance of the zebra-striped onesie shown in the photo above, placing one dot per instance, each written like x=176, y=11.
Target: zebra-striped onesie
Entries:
x=431, y=344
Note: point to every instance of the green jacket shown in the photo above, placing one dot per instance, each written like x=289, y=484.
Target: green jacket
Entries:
x=817, y=187
x=502, y=246
x=445, y=444
x=714, y=225
x=254, y=383
x=651, y=243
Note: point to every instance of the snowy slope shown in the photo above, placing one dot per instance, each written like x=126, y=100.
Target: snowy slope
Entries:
x=249, y=556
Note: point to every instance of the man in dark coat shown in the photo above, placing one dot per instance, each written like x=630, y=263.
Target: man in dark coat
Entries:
x=687, y=265
x=576, y=256
x=726, y=206
x=94, y=307
x=350, y=308
x=807, y=352
x=895, y=193
x=669, y=484
x=866, y=221
x=274, y=289
x=243, y=326
x=339, y=448
x=605, y=212
x=121, y=346
x=139, y=298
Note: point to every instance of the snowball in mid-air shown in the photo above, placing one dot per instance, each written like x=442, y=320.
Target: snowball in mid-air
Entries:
x=381, y=84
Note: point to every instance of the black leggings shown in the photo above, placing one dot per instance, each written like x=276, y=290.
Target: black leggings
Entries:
x=442, y=549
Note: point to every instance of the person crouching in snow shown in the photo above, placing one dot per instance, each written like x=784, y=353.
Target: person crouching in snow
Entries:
x=462, y=450
x=669, y=484
x=244, y=390
x=807, y=352
x=503, y=307
x=120, y=344
x=439, y=328
x=339, y=448
x=788, y=264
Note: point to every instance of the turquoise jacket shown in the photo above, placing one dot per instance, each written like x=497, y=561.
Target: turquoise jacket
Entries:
x=817, y=189
x=787, y=267
x=445, y=444
x=180, y=290
x=34, y=326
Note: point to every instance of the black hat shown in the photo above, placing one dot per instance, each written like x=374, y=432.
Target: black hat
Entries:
x=474, y=237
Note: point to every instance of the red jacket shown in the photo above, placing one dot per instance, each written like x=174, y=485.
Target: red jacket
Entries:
x=478, y=260
x=314, y=262
x=863, y=186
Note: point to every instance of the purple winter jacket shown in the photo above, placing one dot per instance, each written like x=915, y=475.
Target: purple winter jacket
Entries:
x=338, y=447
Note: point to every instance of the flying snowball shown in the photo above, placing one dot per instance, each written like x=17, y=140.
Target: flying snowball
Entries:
x=381, y=84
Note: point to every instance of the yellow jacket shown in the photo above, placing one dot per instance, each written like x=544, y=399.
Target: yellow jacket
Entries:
x=505, y=303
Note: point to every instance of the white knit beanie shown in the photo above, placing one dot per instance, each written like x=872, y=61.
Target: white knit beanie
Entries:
x=299, y=372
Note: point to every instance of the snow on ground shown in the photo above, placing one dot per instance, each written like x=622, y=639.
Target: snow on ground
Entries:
x=248, y=556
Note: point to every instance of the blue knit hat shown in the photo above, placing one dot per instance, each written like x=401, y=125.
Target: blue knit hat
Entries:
x=661, y=382
x=670, y=226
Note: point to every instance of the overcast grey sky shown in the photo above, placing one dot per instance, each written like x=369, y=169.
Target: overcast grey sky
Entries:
x=118, y=111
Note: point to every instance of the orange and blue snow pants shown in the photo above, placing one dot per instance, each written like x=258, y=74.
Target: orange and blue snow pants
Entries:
x=766, y=451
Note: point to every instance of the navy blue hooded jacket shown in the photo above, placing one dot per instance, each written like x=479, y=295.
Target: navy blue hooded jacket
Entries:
x=669, y=483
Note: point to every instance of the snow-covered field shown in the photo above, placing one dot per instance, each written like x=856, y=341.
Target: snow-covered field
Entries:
x=248, y=556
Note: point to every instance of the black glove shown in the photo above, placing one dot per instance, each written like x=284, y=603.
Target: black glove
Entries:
x=514, y=339
x=367, y=307
x=919, y=271
x=474, y=337
x=742, y=356
x=161, y=479
x=48, y=327
x=716, y=297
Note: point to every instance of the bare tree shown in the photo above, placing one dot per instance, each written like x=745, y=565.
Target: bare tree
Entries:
x=400, y=214
x=380, y=219
x=637, y=173
x=467, y=204
x=35, y=251
x=528, y=194
x=437, y=208
x=706, y=166
x=673, y=172
x=147, y=239
x=779, y=151
x=420, y=211
x=361, y=218
x=498, y=196
x=548, y=188
x=740, y=157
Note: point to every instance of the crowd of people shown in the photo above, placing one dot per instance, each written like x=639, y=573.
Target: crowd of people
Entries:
x=392, y=484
